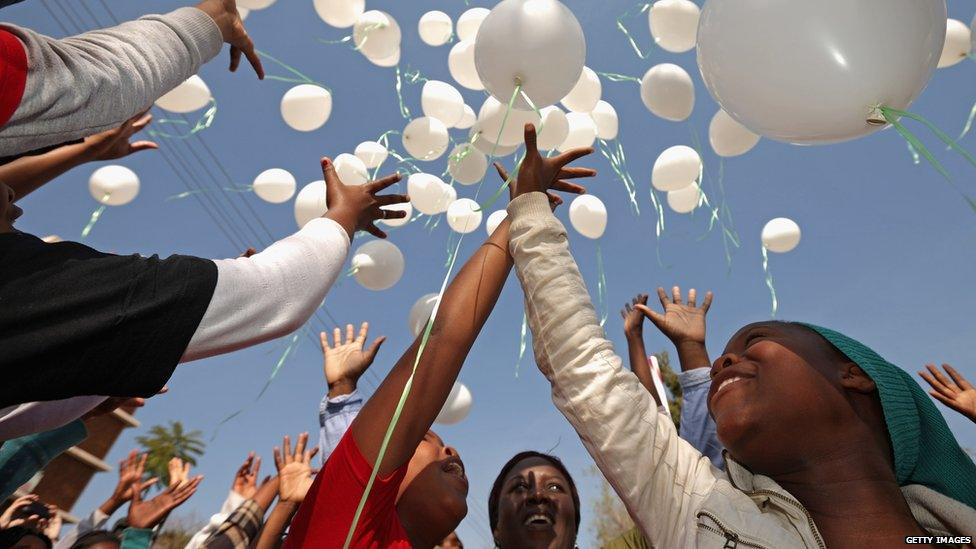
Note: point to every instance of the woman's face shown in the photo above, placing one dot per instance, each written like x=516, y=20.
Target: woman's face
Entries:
x=535, y=507
x=433, y=494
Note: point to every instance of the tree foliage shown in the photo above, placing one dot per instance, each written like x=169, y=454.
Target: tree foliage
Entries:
x=164, y=443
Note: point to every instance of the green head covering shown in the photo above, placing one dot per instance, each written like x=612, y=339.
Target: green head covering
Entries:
x=925, y=450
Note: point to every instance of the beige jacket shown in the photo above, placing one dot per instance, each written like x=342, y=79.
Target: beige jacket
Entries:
x=673, y=492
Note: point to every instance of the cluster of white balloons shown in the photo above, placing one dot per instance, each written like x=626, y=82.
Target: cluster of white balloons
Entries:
x=677, y=171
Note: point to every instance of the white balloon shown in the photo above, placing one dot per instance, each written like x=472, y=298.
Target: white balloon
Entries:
x=553, y=129
x=420, y=314
x=467, y=119
x=425, y=138
x=582, y=131
x=728, y=137
x=255, y=4
x=812, y=72
x=351, y=169
x=972, y=34
x=191, y=95
x=685, y=200
x=378, y=265
x=464, y=215
x=668, y=92
x=429, y=194
x=275, y=185
x=493, y=119
x=676, y=168
x=457, y=407
x=443, y=102
x=340, y=13
x=781, y=235
x=390, y=61
x=466, y=164
x=372, y=154
x=114, y=185
x=405, y=207
x=494, y=220
x=537, y=44
x=674, y=24
x=958, y=43
x=306, y=107
x=243, y=12
x=376, y=34
x=460, y=62
x=585, y=94
x=484, y=143
x=435, y=28
x=605, y=118
x=310, y=203
x=588, y=216
x=469, y=22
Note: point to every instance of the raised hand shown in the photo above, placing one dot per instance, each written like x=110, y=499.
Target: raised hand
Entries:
x=131, y=470
x=633, y=317
x=357, y=207
x=114, y=143
x=147, y=514
x=957, y=393
x=246, y=478
x=683, y=324
x=179, y=472
x=554, y=199
x=540, y=174
x=345, y=362
x=16, y=514
x=52, y=527
x=228, y=20
x=294, y=469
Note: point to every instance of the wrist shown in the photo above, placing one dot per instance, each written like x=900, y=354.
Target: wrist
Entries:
x=346, y=220
x=634, y=335
x=692, y=354
x=342, y=386
x=111, y=505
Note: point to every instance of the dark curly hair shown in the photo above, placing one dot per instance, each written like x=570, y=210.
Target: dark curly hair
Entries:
x=496, y=489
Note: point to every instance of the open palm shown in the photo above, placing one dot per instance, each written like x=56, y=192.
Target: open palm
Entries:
x=957, y=393
x=348, y=360
x=681, y=322
x=294, y=469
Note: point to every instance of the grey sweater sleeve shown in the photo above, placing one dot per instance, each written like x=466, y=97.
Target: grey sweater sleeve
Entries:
x=84, y=84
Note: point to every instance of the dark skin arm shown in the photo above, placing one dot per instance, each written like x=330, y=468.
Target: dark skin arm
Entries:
x=294, y=480
x=634, y=330
x=463, y=310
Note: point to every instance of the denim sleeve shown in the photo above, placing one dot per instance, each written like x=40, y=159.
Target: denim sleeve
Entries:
x=335, y=417
x=697, y=426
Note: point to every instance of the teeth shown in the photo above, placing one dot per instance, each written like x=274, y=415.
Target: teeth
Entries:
x=729, y=381
x=455, y=468
x=538, y=517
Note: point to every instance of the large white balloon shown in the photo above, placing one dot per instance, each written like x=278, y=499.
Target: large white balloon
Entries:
x=582, y=131
x=350, y=169
x=781, y=235
x=466, y=164
x=605, y=118
x=399, y=222
x=426, y=138
x=310, y=203
x=668, y=92
x=306, y=107
x=460, y=62
x=676, y=168
x=674, y=24
x=435, y=28
x=728, y=137
x=457, y=407
x=372, y=154
x=442, y=101
x=585, y=94
x=429, y=194
x=275, y=185
x=553, y=129
x=255, y=4
x=537, y=44
x=191, y=95
x=495, y=118
x=243, y=12
x=340, y=13
x=588, y=216
x=420, y=314
x=958, y=43
x=113, y=185
x=483, y=142
x=378, y=265
x=685, y=200
x=390, y=61
x=811, y=72
x=467, y=119
x=469, y=22
x=494, y=220
x=464, y=215
x=376, y=34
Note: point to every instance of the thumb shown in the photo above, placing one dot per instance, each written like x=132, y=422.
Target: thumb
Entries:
x=655, y=317
x=135, y=494
x=373, y=349
x=148, y=484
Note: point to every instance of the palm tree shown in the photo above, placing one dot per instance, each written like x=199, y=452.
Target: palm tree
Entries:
x=163, y=444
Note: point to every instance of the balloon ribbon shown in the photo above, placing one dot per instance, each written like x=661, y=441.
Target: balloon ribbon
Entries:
x=893, y=117
x=205, y=121
x=640, y=8
x=769, y=280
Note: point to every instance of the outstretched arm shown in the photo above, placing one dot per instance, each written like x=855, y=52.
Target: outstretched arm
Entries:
x=957, y=393
x=634, y=331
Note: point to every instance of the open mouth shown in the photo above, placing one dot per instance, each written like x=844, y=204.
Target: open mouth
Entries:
x=538, y=520
x=728, y=382
x=455, y=468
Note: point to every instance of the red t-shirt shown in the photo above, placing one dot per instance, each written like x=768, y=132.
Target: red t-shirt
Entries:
x=13, y=74
x=326, y=515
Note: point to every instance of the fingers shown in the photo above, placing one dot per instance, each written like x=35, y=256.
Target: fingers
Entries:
x=300, y=445
x=692, y=297
x=278, y=459
x=135, y=494
x=380, y=184
x=187, y=490
x=676, y=295
x=363, y=331
x=142, y=146
x=531, y=149
x=337, y=337
x=936, y=384
x=286, y=444
x=655, y=317
x=349, y=334
x=568, y=187
x=148, y=484
x=324, y=340
x=373, y=349
x=573, y=173
x=375, y=231
x=390, y=199
x=502, y=172
x=571, y=155
x=392, y=214
x=642, y=299
x=960, y=381
x=947, y=401
x=142, y=464
x=329, y=173
x=707, y=302
x=310, y=454
x=943, y=379
x=257, y=467
x=554, y=200
x=663, y=297
x=252, y=57
x=235, y=58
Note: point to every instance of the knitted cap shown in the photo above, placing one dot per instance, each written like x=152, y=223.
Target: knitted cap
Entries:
x=926, y=452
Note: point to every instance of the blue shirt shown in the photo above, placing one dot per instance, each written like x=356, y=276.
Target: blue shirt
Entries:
x=335, y=417
x=697, y=426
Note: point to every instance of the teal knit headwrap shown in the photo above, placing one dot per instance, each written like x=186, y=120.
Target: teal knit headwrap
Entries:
x=926, y=452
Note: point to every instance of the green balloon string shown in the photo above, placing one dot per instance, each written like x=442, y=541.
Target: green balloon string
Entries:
x=95, y=216
x=640, y=9
x=613, y=151
x=769, y=281
x=297, y=76
x=601, y=286
x=182, y=195
x=616, y=77
x=969, y=123
x=522, y=339
x=893, y=117
x=914, y=153
x=730, y=239
x=404, y=110
x=205, y=121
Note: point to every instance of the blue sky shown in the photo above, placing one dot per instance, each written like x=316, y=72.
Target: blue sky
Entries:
x=888, y=250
